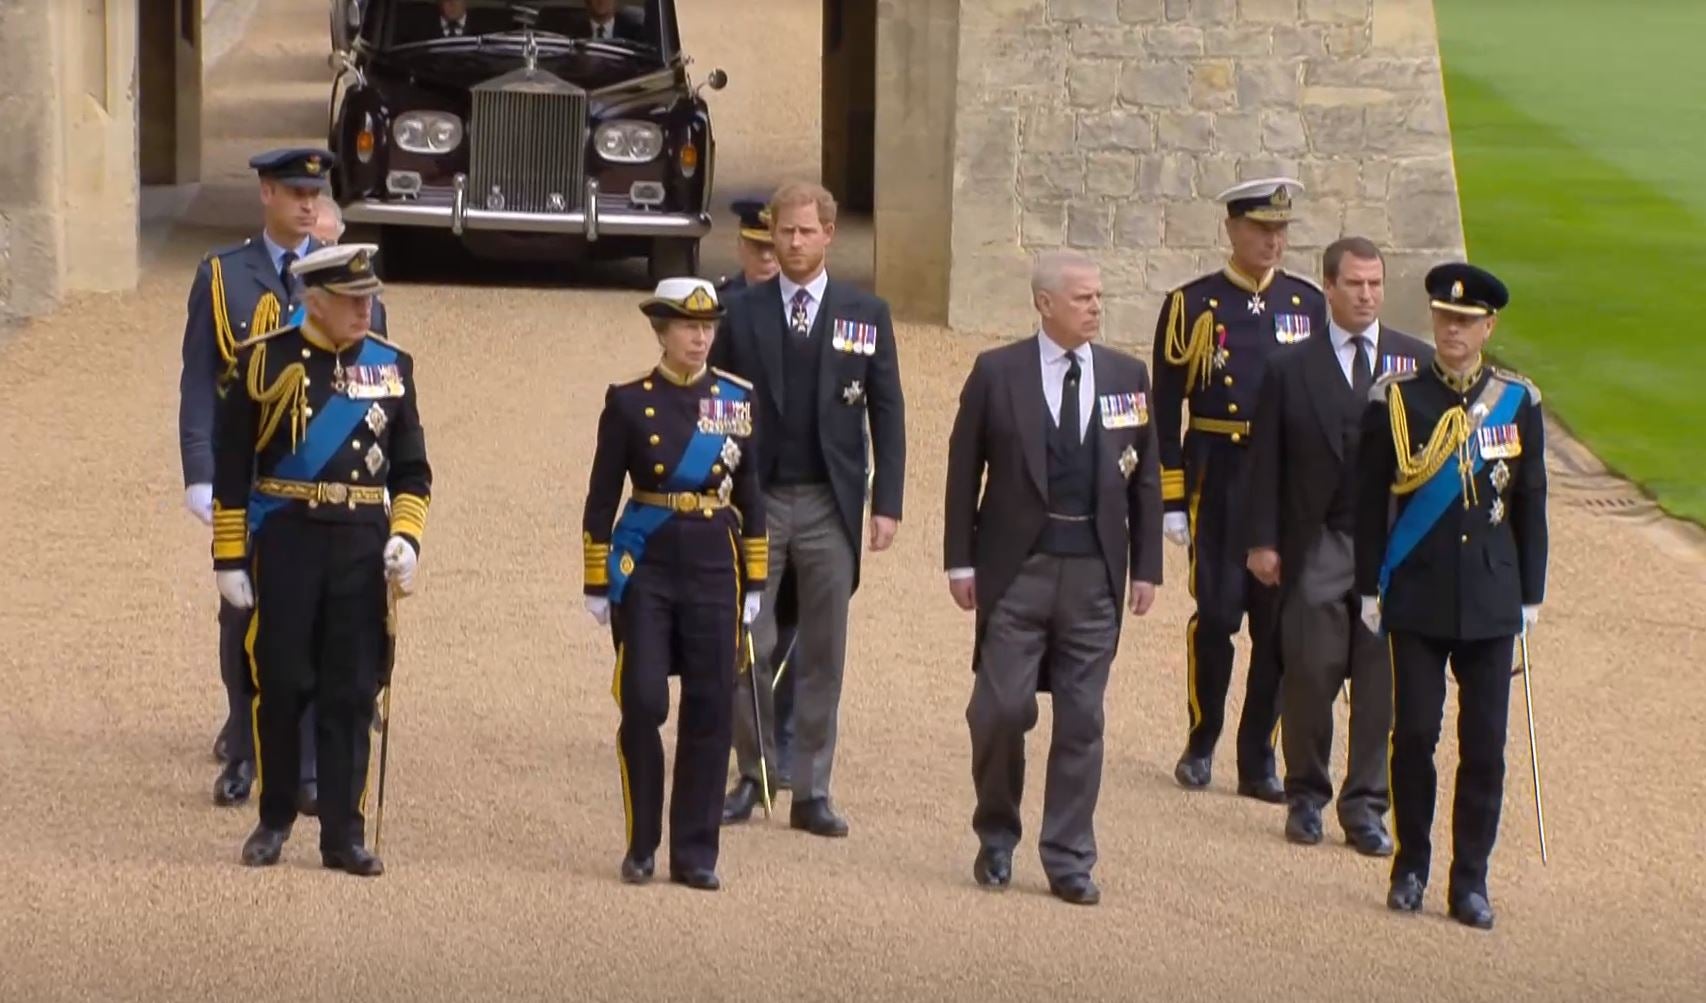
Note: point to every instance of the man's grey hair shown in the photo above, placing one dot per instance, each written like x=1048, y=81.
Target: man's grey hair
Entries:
x=1049, y=268
x=327, y=204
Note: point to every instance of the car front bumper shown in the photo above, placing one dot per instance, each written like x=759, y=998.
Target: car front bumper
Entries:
x=458, y=216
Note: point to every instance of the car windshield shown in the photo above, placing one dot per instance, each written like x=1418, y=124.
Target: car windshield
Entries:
x=625, y=23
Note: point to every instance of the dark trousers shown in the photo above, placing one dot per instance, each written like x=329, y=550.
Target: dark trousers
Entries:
x=1058, y=615
x=239, y=731
x=1325, y=643
x=1225, y=592
x=317, y=638
x=1483, y=672
x=679, y=616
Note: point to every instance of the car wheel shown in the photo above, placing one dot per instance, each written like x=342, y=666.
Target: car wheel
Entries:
x=673, y=258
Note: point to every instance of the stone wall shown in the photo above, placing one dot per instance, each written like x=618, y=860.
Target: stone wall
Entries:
x=1110, y=125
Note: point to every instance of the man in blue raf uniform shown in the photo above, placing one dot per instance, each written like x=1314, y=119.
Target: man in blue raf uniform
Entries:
x=239, y=292
x=684, y=566
x=1456, y=452
x=1212, y=345
x=324, y=422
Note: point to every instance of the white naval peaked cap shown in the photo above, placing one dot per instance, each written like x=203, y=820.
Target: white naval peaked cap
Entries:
x=341, y=268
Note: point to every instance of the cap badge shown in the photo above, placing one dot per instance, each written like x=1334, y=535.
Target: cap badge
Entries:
x=312, y=165
x=699, y=301
x=358, y=264
x=1457, y=290
x=1281, y=197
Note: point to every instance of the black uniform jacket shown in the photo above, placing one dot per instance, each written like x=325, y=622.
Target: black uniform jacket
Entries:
x=1485, y=557
x=266, y=429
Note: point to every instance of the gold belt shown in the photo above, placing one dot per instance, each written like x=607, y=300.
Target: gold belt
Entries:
x=318, y=492
x=680, y=501
x=1221, y=426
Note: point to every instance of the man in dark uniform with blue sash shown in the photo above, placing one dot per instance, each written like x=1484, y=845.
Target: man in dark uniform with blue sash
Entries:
x=322, y=424
x=1451, y=562
x=239, y=292
x=1212, y=344
x=683, y=567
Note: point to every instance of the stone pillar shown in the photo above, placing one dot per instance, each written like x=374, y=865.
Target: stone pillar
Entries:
x=169, y=85
x=849, y=100
x=917, y=60
x=29, y=183
x=1110, y=126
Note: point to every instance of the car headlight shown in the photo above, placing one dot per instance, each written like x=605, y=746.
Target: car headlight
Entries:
x=628, y=142
x=428, y=131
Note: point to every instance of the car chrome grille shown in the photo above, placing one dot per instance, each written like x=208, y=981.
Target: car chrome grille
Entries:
x=527, y=136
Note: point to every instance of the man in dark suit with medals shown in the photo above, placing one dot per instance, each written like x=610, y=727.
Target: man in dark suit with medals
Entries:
x=1299, y=509
x=822, y=357
x=1212, y=343
x=240, y=292
x=1451, y=562
x=322, y=428
x=683, y=567
x=1053, y=496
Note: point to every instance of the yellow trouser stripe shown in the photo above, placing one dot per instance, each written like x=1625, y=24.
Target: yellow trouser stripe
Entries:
x=255, y=675
x=1191, y=672
x=1196, y=500
x=621, y=760
x=1391, y=737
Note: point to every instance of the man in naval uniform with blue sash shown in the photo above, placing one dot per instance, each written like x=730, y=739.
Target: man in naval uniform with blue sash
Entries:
x=321, y=424
x=676, y=575
x=239, y=292
x=1451, y=563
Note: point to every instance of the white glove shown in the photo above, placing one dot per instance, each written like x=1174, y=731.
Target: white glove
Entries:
x=1176, y=526
x=749, y=612
x=235, y=588
x=1530, y=616
x=1371, y=614
x=599, y=607
x=198, y=499
x=400, y=560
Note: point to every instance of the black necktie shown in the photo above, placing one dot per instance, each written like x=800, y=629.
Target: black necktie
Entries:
x=1361, y=377
x=284, y=276
x=1068, y=430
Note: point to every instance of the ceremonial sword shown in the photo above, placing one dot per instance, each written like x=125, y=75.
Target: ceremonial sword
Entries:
x=1533, y=748
x=757, y=722
x=385, y=710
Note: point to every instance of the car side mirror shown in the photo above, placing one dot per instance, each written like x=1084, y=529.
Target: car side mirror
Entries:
x=716, y=80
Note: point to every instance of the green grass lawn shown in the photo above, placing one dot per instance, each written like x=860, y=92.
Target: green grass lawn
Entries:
x=1580, y=138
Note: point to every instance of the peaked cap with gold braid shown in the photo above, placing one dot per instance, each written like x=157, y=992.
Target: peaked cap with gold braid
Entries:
x=686, y=298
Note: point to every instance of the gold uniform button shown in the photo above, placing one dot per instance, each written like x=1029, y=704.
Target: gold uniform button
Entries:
x=1228, y=381
x=647, y=385
x=355, y=475
x=308, y=411
x=658, y=469
x=355, y=444
x=716, y=391
x=716, y=468
x=1213, y=304
x=1237, y=437
x=1231, y=409
x=1465, y=537
x=1297, y=301
x=651, y=412
x=707, y=513
x=306, y=354
x=306, y=381
x=656, y=439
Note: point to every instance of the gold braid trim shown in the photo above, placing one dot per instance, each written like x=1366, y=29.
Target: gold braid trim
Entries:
x=288, y=392
x=1449, y=437
x=1195, y=352
x=223, y=336
x=267, y=314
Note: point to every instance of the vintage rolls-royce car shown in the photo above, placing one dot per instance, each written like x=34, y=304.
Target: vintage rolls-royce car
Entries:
x=545, y=129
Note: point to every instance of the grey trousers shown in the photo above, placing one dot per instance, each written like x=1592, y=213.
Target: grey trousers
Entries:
x=1324, y=643
x=1059, y=613
x=806, y=534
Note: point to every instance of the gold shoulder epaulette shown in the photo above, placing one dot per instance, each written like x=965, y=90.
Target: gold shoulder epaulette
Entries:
x=732, y=378
x=1306, y=280
x=1513, y=376
x=1377, y=392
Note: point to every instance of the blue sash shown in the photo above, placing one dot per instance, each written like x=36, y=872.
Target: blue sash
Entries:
x=297, y=316
x=639, y=521
x=329, y=429
x=1434, y=497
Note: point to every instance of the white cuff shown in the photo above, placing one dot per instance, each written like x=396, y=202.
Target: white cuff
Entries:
x=956, y=574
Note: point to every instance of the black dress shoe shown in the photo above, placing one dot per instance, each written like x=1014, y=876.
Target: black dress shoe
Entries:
x=354, y=860
x=308, y=798
x=816, y=817
x=234, y=783
x=264, y=846
x=1303, y=824
x=1370, y=840
x=738, y=806
x=701, y=878
x=993, y=868
x=1077, y=889
x=1473, y=910
x=1267, y=789
x=1406, y=894
x=636, y=871
x=1194, y=772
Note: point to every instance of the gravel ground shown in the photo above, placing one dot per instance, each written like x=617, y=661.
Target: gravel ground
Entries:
x=505, y=827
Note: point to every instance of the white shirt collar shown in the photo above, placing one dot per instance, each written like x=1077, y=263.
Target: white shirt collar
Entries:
x=1342, y=337
x=815, y=287
x=1053, y=352
x=276, y=250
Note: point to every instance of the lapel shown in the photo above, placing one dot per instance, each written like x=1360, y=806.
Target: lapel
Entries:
x=266, y=276
x=1327, y=388
x=1030, y=410
x=821, y=325
x=769, y=327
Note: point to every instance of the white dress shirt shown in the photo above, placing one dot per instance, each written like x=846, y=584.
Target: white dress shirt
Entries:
x=1347, y=352
x=604, y=29
x=275, y=250
x=814, y=298
x=1054, y=366
x=450, y=28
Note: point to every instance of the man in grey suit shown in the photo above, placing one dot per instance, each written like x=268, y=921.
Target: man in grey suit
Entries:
x=821, y=356
x=1298, y=509
x=1053, y=494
